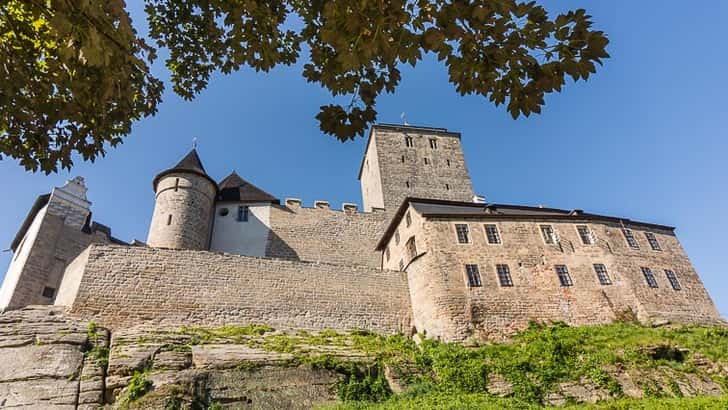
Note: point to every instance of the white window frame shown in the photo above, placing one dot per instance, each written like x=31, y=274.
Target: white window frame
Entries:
x=497, y=232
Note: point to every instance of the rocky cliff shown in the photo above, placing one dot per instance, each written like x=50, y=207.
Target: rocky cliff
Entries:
x=52, y=362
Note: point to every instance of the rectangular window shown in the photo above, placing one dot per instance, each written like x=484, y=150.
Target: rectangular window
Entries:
x=447, y=187
x=427, y=161
x=602, y=274
x=504, y=275
x=448, y=162
x=673, y=279
x=408, y=218
x=649, y=277
x=409, y=142
x=585, y=234
x=411, y=248
x=463, y=233
x=629, y=237
x=491, y=233
x=48, y=292
x=563, y=273
x=402, y=158
x=169, y=219
x=547, y=231
x=401, y=264
x=473, y=276
x=176, y=184
x=396, y=237
x=652, y=239
x=433, y=143
x=243, y=213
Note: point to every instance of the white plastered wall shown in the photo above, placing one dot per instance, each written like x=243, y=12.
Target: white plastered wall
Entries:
x=241, y=237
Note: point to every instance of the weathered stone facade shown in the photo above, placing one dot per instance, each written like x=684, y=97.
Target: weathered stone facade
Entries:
x=56, y=231
x=446, y=305
x=402, y=162
x=183, y=209
x=122, y=286
x=321, y=234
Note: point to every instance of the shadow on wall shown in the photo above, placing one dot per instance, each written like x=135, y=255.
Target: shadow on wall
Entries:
x=278, y=248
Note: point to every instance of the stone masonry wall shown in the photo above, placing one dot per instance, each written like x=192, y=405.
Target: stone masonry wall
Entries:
x=56, y=245
x=404, y=172
x=183, y=209
x=124, y=286
x=325, y=235
x=445, y=306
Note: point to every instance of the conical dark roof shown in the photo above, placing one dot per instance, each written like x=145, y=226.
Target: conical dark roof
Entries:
x=236, y=189
x=190, y=163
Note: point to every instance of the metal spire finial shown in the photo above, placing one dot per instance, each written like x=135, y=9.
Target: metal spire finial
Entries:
x=194, y=142
x=404, y=118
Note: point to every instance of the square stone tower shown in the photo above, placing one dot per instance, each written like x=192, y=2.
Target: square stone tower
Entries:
x=406, y=161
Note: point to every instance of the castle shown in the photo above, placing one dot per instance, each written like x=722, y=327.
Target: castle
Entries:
x=426, y=254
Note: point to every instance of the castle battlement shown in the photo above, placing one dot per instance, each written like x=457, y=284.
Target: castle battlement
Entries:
x=424, y=254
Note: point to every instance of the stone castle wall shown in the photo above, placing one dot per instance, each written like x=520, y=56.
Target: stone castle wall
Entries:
x=445, y=306
x=43, y=258
x=182, y=212
x=325, y=235
x=121, y=286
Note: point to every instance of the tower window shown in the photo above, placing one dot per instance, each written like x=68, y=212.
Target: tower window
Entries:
x=169, y=219
x=407, y=184
x=602, y=274
x=473, y=276
x=401, y=264
x=409, y=142
x=403, y=159
x=652, y=239
x=649, y=277
x=396, y=237
x=49, y=292
x=447, y=162
x=408, y=218
x=549, y=237
x=585, y=234
x=433, y=143
x=563, y=273
x=411, y=248
x=447, y=187
x=673, y=279
x=491, y=233
x=386, y=254
x=462, y=233
x=176, y=184
x=504, y=275
x=629, y=237
x=243, y=212
x=427, y=161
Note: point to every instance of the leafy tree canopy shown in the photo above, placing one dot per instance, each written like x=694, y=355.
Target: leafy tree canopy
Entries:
x=74, y=74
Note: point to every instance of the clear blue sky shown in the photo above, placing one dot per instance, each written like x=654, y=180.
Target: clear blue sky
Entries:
x=645, y=138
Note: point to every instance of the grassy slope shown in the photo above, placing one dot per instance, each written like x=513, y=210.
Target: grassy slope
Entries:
x=451, y=376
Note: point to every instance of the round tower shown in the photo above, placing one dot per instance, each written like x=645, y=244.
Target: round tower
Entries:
x=183, y=207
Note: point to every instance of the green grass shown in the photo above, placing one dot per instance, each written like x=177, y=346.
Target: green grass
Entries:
x=537, y=360
x=472, y=401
